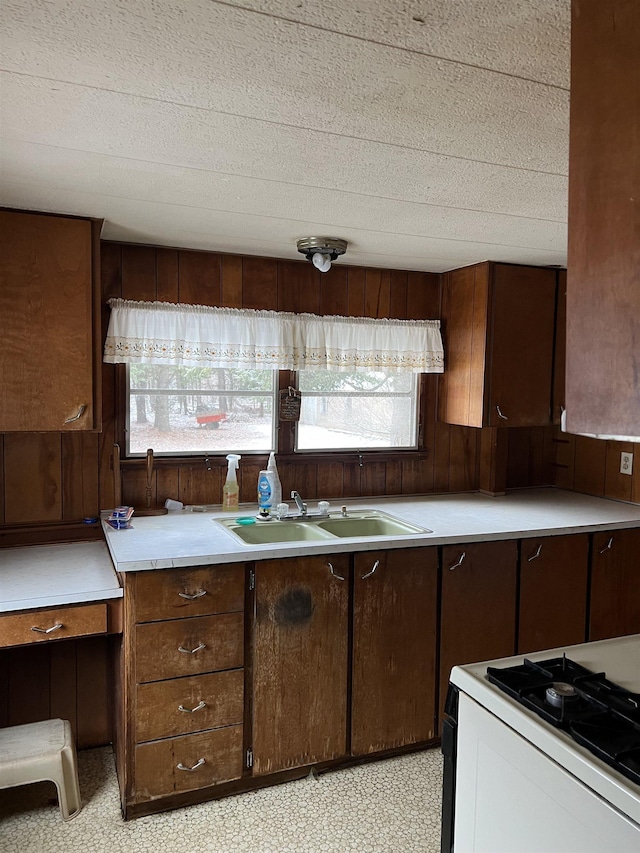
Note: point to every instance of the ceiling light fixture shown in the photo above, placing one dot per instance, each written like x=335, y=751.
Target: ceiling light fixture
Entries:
x=322, y=250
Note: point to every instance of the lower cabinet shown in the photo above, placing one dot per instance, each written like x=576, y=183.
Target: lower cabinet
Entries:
x=478, y=606
x=181, y=709
x=552, y=604
x=615, y=584
x=300, y=660
x=395, y=613
x=229, y=674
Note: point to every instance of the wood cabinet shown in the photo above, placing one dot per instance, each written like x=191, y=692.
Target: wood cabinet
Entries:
x=603, y=288
x=395, y=609
x=180, y=712
x=478, y=606
x=553, y=592
x=49, y=309
x=300, y=659
x=615, y=584
x=498, y=329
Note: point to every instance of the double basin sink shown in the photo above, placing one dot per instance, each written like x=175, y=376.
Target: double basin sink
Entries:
x=324, y=528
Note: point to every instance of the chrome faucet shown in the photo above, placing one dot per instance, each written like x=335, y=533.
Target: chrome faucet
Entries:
x=302, y=507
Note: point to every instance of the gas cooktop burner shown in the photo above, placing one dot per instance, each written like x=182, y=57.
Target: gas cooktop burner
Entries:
x=559, y=693
x=595, y=712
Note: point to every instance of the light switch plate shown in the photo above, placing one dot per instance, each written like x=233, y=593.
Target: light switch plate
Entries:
x=626, y=463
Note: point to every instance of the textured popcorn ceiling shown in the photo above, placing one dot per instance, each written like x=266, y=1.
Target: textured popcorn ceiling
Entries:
x=428, y=134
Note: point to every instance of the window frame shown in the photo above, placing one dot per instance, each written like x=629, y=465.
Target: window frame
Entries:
x=285, y=432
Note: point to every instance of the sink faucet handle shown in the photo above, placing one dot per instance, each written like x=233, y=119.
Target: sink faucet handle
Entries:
x=343, y=511
x=302, y=507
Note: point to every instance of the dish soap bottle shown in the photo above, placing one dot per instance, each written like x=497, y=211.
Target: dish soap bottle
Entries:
x=265, y=493
x=276, y=496
x=230, y=490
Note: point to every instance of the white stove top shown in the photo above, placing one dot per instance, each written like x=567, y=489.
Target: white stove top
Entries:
x=619, y=658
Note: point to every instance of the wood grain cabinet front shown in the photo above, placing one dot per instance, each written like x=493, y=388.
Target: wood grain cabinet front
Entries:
x=498, y=328
x=615, y=584
x=185, y=705
x=395, y=610
x=189, y=646
x=178, y=593
x=300, y=660
x=552, y=604
x=478, y=605
x=50, y=364
x=180, y=718
x=181, y=764
x=56, y=623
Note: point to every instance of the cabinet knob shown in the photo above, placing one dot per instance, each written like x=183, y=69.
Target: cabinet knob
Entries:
x=199, y=763
x=500, y=415
x=375, y=566
x=536, y=555
x=190, y=597
x=334, y=573
x=198, y=707
x=77, y=416
x=198, y=648
x=607, y=547
x=459, y=563
x=50, y=630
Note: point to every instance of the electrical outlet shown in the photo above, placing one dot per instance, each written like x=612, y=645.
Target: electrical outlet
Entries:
x=626, y=463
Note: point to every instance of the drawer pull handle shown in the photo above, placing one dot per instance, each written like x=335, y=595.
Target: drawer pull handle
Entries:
x=50, y=630
x=181, y=766
x=459, y=563
x=194, y=596
x=334, y=573
x=198, y=648
x=198, y=707
x=536, y=555
x=77, y=416
x=500, y=415
x=375, y=566
x=607, y=547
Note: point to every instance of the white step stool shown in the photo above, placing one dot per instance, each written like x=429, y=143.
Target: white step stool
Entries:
x=42, y=751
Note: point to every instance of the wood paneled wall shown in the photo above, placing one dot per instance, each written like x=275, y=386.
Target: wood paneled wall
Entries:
x=69, y=679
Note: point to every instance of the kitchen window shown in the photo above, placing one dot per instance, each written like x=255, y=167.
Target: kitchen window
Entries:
x=361, y=410
x=193, y=410
x=204, y=380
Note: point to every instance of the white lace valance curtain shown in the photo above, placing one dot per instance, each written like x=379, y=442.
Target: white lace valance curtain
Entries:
x=199, y=336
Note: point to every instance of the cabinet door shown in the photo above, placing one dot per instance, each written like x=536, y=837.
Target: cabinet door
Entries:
x=46, y=306
x=615, y=584
x=478, y=615
x=394, y=648
x=520, y=351
x=553, y=592
x=300, y=642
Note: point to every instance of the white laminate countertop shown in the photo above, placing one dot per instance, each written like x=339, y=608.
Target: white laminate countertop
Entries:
x=195, y=538
x=53, y=575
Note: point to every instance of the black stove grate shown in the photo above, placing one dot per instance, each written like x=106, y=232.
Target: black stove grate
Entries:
x=600, y=715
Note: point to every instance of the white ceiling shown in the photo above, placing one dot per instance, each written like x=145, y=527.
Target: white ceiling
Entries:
x=428, y=133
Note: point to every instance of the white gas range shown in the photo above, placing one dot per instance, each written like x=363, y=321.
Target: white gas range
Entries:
x=545, y=755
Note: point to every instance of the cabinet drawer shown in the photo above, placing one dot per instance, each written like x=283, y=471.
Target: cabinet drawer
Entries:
x=176, y=593
x=19, y=629
x=209, y=701
x=189, y=646
x=216, y=756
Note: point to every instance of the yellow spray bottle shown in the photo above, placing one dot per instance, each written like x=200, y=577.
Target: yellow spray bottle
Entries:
x=230, y=490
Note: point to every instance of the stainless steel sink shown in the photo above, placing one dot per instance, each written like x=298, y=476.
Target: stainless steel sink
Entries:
x=268, y=532
x=370, y=523
x=355, y=523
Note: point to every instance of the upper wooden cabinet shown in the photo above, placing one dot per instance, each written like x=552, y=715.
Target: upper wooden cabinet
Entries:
x=603, y=288
x=49, y=308
x=498, y=328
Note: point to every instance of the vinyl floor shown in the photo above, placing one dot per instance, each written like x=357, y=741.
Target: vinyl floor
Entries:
x=390, y=806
